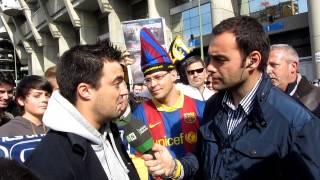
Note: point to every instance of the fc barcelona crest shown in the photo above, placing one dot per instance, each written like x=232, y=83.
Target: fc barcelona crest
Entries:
x=189, y=117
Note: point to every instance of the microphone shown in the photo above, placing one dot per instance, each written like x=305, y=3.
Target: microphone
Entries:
x=138, y=136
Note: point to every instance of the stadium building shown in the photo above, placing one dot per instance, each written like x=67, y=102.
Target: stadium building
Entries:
x=41, y=30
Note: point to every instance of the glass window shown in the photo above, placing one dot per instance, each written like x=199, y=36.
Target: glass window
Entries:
x=186, y=34
x=189, y=22
x=195, y=31
x=186, y=24
x=205, y=8
x=186, y=15
x=193, y=12
x=194, y=22
x=207, y=29
x=206, y=19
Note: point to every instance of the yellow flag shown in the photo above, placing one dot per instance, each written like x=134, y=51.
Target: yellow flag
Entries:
x=178, y=50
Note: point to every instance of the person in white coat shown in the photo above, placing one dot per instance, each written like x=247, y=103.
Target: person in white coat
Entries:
x=193, y=76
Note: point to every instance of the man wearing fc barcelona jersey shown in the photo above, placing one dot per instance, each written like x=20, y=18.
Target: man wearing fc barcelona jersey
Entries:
x=173, y=118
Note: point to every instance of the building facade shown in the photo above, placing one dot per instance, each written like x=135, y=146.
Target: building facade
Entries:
x=41, y=30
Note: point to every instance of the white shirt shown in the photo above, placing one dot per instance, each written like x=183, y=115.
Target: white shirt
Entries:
x=195, y=92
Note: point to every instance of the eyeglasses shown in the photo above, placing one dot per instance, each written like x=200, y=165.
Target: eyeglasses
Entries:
x=191, y=72
x=157, y=78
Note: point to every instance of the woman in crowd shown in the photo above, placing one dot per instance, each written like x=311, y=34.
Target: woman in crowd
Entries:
x=32, y=95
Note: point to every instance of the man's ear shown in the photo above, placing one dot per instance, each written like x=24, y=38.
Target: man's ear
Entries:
x=253, y=60
x=20, y=101
x=84, y=91
x=293, y=67
x=174, y=74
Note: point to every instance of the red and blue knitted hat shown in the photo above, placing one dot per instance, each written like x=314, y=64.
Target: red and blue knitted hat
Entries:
x=153, y=56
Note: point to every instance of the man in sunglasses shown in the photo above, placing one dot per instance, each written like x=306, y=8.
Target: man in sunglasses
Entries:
x=193, y=77
x=172, y=118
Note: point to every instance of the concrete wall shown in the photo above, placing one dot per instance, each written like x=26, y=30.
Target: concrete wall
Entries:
x=119, y=13
x=314, y=22
x=89, y=30
x=50, y=51
x=221, y=10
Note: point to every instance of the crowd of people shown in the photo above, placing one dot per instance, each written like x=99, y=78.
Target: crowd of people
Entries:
x=245, y=112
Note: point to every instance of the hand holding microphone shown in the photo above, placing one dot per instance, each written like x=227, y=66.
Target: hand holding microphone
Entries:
x=157, y=158
x=163, y=165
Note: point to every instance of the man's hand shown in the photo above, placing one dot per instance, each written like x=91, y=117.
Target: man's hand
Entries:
x=163, y=165
x=125, y=58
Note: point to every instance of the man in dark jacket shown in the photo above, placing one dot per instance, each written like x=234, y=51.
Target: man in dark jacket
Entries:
x=82, y=142
x=252, y=129
x=283, y=69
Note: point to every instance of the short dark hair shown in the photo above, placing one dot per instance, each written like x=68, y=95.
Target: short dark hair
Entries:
x=11, y=169
x=84, y=63
x=192, y=60
x=31, y=82
x=250, y=36
x=6, y=78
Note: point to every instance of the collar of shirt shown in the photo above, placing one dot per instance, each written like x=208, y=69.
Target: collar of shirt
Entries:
x=165, y=108
x=292, y=87
x=246, y=102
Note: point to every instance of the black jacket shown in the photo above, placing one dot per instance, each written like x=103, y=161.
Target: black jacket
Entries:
x=67, y=156
x=309, y=95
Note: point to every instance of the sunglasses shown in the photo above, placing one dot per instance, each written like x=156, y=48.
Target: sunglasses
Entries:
x=207, y=82
x=191, y=72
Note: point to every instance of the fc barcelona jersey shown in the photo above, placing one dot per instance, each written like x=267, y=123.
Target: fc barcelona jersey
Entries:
x=177, y=125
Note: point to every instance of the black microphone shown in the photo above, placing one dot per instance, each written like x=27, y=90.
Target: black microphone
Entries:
x=138, y=136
